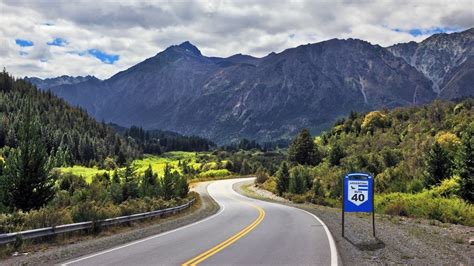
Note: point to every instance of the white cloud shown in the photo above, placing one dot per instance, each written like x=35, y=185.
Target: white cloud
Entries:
x=137, y=30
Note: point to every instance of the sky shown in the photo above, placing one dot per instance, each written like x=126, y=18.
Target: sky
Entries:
x=82, y=37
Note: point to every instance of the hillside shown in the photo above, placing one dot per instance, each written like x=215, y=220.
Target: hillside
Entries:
x=420, y=158
x=70, y=134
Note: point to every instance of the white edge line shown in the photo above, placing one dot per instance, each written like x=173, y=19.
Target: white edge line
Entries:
x=222, y=208
x=332, y=243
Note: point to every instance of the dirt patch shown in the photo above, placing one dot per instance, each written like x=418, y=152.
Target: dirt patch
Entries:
x=399, y=240
x=66, y=248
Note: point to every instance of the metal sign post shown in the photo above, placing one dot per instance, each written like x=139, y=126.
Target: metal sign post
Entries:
x=358, y=196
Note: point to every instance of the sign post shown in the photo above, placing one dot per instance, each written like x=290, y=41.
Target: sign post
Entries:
x=358, y=196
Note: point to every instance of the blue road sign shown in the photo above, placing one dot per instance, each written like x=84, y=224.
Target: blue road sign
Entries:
x=358, y=193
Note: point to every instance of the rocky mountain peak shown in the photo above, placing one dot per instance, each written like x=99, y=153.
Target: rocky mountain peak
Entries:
x=190, y=47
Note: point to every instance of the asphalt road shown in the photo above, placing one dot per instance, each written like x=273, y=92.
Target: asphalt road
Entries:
x=244, y=232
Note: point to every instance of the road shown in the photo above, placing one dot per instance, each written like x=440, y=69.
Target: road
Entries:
x=244, y=232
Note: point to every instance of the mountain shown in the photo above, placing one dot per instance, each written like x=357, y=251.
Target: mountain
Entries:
x=48, y=83
x=71, y=136
x=445, y=59
x=273, y=97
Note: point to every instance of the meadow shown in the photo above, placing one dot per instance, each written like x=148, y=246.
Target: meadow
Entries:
x=205, y=164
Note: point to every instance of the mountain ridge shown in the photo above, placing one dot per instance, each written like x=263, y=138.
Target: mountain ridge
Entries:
x=266, y=98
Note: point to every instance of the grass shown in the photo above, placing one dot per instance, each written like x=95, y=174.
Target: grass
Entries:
x=158, y=164
x=86, y=172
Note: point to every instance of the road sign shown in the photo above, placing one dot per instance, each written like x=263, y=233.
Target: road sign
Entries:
x=358, y=195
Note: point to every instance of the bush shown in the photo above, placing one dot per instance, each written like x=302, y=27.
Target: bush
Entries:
x=47, y=217
x=426, y=205
x=262, y=176
x=215, y=173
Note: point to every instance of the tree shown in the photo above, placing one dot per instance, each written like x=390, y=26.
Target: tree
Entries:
x=302, y=150
x=167, y=183
x=298, y=180
x=181, y=186
x=438, y=165
x=465, y=166
x=30, y=185
x=336, y=154
x=149, y=184
x=283, y=178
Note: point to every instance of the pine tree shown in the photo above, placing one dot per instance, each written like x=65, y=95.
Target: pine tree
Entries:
x=148, y=184
x=283, y=178
x=167, y=183
x=465, y=165
x=438, y=165
x=29, y=182
x=181, y=186
x=302, y=150
x=298, y=183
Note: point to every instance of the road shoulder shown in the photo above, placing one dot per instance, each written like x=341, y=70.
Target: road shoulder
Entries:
x=400, y=240
x=54, y=253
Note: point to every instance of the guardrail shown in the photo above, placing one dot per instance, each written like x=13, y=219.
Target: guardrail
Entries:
x=67, y=228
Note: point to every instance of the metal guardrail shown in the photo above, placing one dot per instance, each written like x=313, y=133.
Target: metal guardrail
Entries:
x=67, y=228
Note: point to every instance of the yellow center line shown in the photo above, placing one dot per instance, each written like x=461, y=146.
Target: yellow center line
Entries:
x=205, y=255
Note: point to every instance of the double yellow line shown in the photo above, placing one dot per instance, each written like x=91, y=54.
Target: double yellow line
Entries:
x=203, y=256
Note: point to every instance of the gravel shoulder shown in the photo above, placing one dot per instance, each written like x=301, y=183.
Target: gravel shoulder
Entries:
x=67, y=248
x=400, y=240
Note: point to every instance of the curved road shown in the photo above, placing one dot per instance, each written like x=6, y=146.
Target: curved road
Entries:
x=245, y=231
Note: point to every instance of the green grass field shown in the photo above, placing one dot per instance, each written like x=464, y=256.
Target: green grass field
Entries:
x=83, y=171
x=158, y=164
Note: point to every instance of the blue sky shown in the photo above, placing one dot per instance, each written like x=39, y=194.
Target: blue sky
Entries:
x=23, y=43
x=57, y=42
x=415, y=32
x=103, y=57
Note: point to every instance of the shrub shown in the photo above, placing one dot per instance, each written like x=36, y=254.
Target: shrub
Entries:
x=47, y=217
x=262, y=176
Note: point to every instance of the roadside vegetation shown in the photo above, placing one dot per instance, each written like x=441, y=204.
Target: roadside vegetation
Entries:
x=421, y=158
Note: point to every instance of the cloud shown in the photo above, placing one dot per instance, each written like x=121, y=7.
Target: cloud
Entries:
x=23, y=43
x=123, y=33
x=57, y=42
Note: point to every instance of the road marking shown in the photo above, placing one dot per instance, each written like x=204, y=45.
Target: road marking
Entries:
x=209, y=253
x=222, y=208
x=332, y=243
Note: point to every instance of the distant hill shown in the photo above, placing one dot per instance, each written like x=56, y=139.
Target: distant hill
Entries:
x=48, y=83
x=273, y=97
x=159, y=141
x=70, y=134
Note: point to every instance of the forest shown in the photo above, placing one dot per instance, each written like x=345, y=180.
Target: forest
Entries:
x=39, y=134
x=421, y=159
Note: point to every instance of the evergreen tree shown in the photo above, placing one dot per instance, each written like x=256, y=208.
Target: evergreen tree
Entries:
x=298, y=183
x=149, y=184
x=465, y=165
x=438, y=165
x=29, y=182
x=283, y=178
x=336, y=153
x=167, y=183
x=302, y=150
x=181, y=187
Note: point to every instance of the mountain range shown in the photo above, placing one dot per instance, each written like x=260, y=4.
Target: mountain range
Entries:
x=273, y=97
